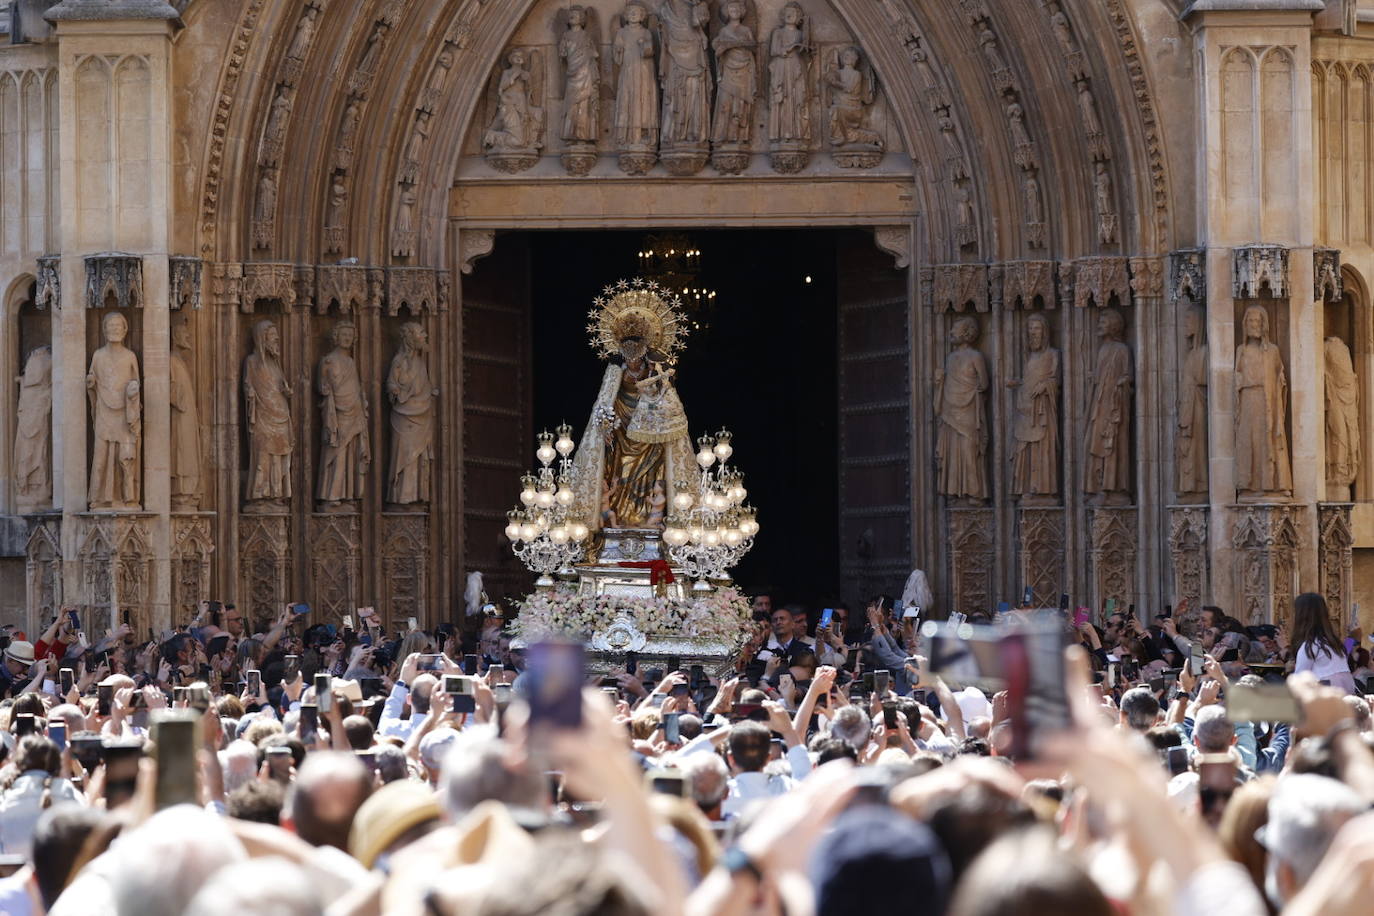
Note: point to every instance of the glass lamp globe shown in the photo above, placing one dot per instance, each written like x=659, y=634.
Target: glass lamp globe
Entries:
x=545, y=454
x=732, y=537
x=564, y=445
x=513, y=531
x=527, y=497
x=564, y=496
x=724, y=450
x=558, y=534
x=706, y=458
x=712, y=537
x=544, y=499
x=696, y=532
x=578, y=532
x=675, y=536
x=528, y=532
x=682, y=501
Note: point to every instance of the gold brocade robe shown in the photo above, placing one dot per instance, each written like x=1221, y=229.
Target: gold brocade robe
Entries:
x=636, y=472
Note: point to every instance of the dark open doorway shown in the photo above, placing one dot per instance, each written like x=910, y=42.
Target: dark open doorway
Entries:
x=765, y=367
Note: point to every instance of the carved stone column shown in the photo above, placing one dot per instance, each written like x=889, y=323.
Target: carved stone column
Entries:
x=1041, y=536
x=1113, y=553
x=334, y=566
x=264, y=566
x=971, y=559
x=1189, y=563
x=1335, y=545
x=405, y=565
x=1265, y=537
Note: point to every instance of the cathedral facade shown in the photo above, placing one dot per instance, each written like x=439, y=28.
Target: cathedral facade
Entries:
x=266, y=315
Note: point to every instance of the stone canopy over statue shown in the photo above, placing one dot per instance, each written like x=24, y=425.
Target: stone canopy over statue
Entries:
x=636, y=447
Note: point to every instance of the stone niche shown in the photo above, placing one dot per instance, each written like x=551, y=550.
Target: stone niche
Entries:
x=548, y=112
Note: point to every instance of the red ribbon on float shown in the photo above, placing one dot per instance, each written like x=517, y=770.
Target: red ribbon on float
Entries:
x=660, y=571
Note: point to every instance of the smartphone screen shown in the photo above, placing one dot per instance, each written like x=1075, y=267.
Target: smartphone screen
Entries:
x=668, y=783
x=1195, y=656
x=121, y=772
x=310, y=721
x=57, y=731
x=300, y=610
x=104, y=699
x=555, y=676
x=280, y=761
x=461, y=695
x=74, y=619
x=25, y=724
x=292, y=668
x=882, y=678
x=323, y=691
x=826, y=616
x=1177, y=760
x=889, y=714
x=254, y=679
x=470, y=663
x=911, y=613
x=66, y=677
x=430, y=663
x=174, y=736
x=671, y=734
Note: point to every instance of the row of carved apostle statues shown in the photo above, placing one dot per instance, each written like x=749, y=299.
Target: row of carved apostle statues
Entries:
x=663, y=87
x=1262, y=463
x=114, y=389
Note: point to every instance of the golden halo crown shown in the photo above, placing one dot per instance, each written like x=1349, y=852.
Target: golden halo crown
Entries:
x=637, y=308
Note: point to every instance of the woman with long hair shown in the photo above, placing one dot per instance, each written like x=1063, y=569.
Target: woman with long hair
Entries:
x=1316, y=647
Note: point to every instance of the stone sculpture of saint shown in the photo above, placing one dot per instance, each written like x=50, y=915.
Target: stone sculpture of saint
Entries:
x=851, y=94
x=636, y=446
x=789, y=112
x=960, y=403
x=1190, y=453
x=738, y=77
x=582, y=84
x=1262, y=467
x=686, y=72
x=516, y=124
x=185, y=456
x=412, y=419
x=345, y=449
x=636, y=96
x=1035, y=460
x=1108, y=466
x=1342, y=421
x=33, y=432
x=117, y=414
x=268, y=409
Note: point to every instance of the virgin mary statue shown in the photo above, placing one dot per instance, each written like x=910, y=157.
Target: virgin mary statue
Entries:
x=636, y=447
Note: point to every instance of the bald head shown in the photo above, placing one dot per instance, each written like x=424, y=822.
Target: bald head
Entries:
x=329, y=790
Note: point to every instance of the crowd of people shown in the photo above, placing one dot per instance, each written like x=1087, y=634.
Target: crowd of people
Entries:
x=834, y=767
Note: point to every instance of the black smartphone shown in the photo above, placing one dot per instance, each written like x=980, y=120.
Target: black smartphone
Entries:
x=430, y=662
x=86, y=749
x=696, y=677
x=25, y=724
x=74, y=619
x=882, y=678
x=889, y=714
x=253, y=678
x=104, y=699
x=674, y=664
x=279, y=762
x=300, y=610
x=682, y=691
x=753, y=672
x=1177, y=760
x=668, y=782
x=1064, y=602
x=554, y=681
x=324, y=691
x=496, y=674
x=1027, y=596
x=57, y=732
x=370, y=686
x=470, y=665
x=310, y=721
x=869, y=682
x=671, y=734
x=631, y=663
x=121, y=771
x=461, y=693
x=67, y=678
x=174, y=737
x=291, y=669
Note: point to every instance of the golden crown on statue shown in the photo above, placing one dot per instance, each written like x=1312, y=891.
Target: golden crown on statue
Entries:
x=637, y=308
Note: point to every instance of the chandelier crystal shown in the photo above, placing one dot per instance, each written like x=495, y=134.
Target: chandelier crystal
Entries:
x=542, y=535
x=711, y=528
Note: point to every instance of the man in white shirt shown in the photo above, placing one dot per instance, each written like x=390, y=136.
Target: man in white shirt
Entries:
x=748, y=747
x=409, y=686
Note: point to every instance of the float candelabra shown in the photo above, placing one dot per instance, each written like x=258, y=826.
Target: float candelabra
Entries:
x=542, y=533
x=710, y=528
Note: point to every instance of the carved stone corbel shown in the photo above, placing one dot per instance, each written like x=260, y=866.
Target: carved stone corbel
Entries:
x=1257, y=268
x=1326, y=275
x=1025, y=281
x=1097, y=280
x=114, y=278
x=345, y=284
x=896, y=241
x=265, y=280
x=184, y=280
x=474, y=244
x=1188, y=276
x=48, y=291
x=410, y=288
x=961, y=287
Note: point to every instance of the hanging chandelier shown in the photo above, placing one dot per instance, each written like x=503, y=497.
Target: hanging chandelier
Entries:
x=673, y=260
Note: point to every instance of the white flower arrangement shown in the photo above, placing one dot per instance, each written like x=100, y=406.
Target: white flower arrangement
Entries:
x=720, y=617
